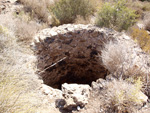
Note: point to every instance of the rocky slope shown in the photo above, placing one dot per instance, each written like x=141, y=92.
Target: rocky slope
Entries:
x=72, y=54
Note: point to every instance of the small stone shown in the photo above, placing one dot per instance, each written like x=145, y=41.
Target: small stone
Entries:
x=51, y=92
x=53, y=33
x=78, y=108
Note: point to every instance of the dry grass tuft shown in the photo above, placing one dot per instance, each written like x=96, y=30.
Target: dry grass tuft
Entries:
x=116, y=96
x=37, y=9
x=16, y=85
x=22, y=26
x=119, y=58
x=139, y=6
x=114, y=59
x=123, y=96
x=26, y=30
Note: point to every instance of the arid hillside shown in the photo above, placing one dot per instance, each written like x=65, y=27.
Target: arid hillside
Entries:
x=74, y=56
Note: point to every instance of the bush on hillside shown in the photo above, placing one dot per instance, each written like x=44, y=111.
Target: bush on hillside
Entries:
x=121, y=61
x=66, y=11
x=116, y=16
x=123, y=97
x=116, y=96
x=37, y=9
x=142, y=37
x=139, y=7
x=25, y=31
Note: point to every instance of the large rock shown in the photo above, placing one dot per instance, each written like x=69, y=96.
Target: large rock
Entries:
x=51, y=92
x=75, y=95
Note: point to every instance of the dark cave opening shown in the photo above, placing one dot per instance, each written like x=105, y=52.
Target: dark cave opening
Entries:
x=71, y=78
x=71, y=57
x=73, y=72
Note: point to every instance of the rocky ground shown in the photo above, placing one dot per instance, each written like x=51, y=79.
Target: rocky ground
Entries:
x=66, y=70
x=62, y=50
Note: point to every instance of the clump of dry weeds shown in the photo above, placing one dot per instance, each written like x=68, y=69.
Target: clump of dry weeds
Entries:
x=37, y=9
x=26, y=30
x=122, y=96
x=18, y=83
x=121, y=58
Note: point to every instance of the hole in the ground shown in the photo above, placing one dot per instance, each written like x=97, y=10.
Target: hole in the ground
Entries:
x=73, y=72
x=71, y=57
x=79, y=70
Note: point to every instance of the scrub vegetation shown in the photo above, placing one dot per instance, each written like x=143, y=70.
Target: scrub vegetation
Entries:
x=18, y=93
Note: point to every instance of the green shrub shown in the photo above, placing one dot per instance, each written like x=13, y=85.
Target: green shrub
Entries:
x=116, y=16
x=66, y=11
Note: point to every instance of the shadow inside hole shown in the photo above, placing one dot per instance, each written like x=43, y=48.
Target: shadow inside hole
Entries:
x=79, y=74
x=71, y=58
x=60, y=103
